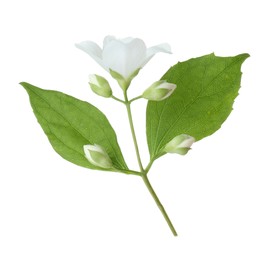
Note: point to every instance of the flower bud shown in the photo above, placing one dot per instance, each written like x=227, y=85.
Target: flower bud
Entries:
x=159, y=90
x=97, y=156
x=100, y=86
x=180, y=144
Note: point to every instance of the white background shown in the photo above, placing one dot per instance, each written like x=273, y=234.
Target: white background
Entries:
x=221, y=197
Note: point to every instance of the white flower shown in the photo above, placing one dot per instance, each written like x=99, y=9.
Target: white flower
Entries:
x=100, y=85
x=97, y=156
x=123, y=56
x=159, y=90
x=180, y=144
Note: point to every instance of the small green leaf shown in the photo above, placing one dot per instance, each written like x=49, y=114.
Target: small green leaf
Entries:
x=203, y=99
x=70, y=124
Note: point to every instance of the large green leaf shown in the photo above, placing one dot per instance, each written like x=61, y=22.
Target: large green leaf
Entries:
x=203, y=99
x=70, y=124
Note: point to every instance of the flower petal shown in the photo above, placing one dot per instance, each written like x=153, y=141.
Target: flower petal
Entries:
x=93, y=50
x=124, y=56
x=127, y=40
x=164, y=47
x=107, y=39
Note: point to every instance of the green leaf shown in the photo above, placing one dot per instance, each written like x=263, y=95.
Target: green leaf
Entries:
x=203, y=99
x=70, y=123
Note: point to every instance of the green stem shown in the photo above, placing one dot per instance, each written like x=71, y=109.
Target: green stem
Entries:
x=136, y=98
x=117, y=99
x=128, y=107
x=128, y=171
x=159, y=204
x=148, y=166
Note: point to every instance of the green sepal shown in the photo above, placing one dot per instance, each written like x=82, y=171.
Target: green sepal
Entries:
x=122, y=82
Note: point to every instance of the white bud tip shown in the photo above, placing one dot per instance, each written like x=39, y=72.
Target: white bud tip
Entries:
x=93, y=79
